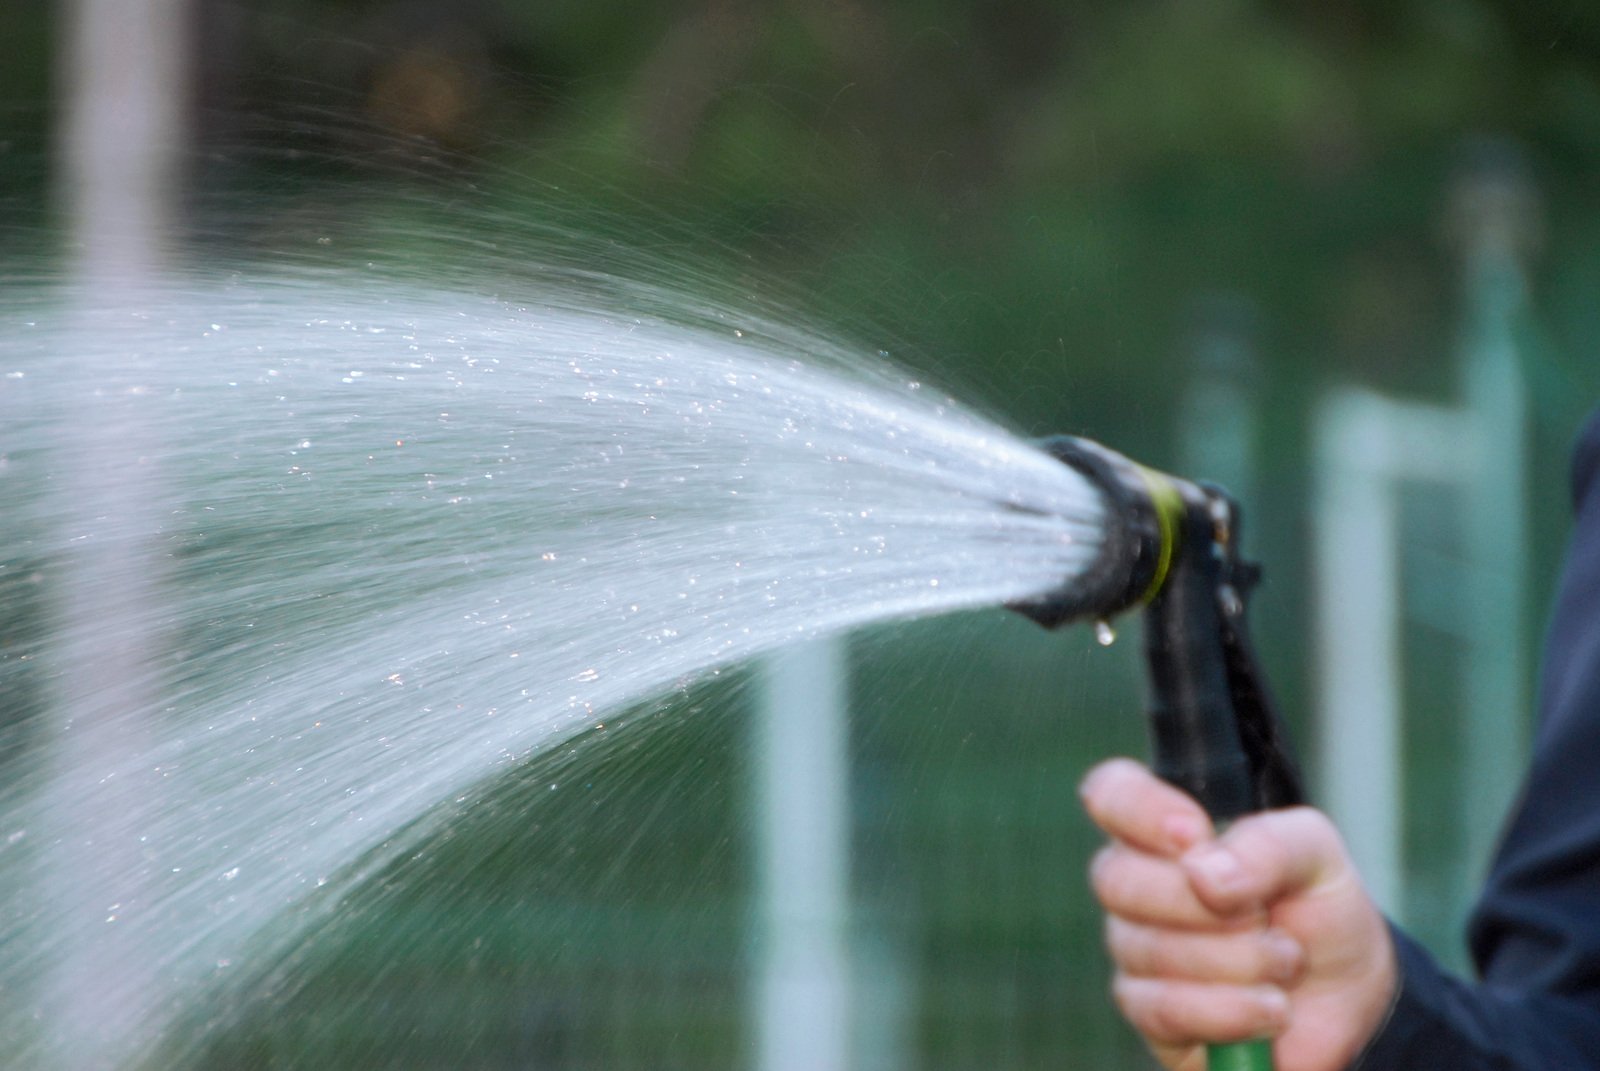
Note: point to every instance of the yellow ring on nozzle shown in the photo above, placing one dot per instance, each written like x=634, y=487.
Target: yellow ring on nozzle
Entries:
x=1169, y=509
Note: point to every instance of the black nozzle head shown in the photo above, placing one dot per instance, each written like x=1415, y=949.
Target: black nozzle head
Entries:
x=1136, y=544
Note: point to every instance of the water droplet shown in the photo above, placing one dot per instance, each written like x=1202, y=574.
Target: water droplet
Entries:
x=1104, y=634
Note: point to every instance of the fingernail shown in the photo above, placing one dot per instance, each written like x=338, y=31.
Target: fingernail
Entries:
x=1184, y=831
x=1285, y=956
x=1217, y=866
x=1275, y=1004
x=1086, y=786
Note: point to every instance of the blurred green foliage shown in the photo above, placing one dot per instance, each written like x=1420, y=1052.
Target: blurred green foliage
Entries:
x=1021, y=199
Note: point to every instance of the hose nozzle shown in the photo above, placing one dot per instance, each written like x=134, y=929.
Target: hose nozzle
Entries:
x=1171, y=548
x=1146, y=513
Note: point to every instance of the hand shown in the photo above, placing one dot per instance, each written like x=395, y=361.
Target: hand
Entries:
x=1262, y=932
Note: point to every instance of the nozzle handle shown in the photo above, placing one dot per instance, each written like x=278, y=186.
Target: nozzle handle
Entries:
x=1215, y=733
x=1194, y=728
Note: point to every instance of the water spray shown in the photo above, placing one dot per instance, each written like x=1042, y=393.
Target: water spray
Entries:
x=1172, y=548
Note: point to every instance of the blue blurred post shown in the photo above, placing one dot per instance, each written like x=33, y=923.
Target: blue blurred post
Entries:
x=803, y=973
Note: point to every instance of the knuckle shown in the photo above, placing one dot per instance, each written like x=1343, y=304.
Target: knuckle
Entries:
x=1119, y=881
x=1169, y=1014
x=1129, y=947
x=1156, y=1009
x=1103, y=787
x=1122, y=796
x=1180, y=1013
x=1103, y=871
x=1292, y=848
x=1132, y=999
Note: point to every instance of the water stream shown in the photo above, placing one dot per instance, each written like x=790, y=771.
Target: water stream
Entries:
x=364, y=546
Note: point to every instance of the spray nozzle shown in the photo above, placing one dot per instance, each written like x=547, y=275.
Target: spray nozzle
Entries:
x=1172, y=547
x=1147, y=514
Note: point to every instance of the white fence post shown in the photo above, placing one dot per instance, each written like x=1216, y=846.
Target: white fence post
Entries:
x=803, y=974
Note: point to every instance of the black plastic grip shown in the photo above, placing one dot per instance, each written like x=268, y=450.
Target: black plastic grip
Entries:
x=1194, y=728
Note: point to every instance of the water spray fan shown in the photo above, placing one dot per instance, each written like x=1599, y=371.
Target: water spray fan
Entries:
x=1172, y=548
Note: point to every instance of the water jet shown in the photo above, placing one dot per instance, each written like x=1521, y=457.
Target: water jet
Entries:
x=398, y=540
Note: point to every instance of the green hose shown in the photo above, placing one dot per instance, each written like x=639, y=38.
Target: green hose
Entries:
x=1240, y=1056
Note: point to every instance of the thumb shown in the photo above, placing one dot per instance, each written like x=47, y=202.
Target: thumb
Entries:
x=1265, y=857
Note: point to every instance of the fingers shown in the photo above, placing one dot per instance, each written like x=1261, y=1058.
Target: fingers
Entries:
x=1258, y=860
x=1188, y=1013
x=1266, y=857
x=1215, y=936
x=1149, y=889
x=1132, y=805
x=1249, y=957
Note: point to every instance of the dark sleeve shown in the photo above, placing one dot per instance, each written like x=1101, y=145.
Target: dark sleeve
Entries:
x=1536, y=933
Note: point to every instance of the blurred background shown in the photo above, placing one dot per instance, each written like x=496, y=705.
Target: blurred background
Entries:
x=1341, y=256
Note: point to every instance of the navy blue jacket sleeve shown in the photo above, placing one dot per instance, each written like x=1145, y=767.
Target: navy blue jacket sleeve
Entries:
x=1536, y=933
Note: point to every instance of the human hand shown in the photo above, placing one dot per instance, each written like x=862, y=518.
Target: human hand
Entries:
x=1263, y=932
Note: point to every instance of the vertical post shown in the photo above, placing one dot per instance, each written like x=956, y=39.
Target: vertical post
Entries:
x=1493, y=217
x=123, y=73
x=1217, y=426
x=1357, y=586
x=803, y=996
x=1368, y=448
